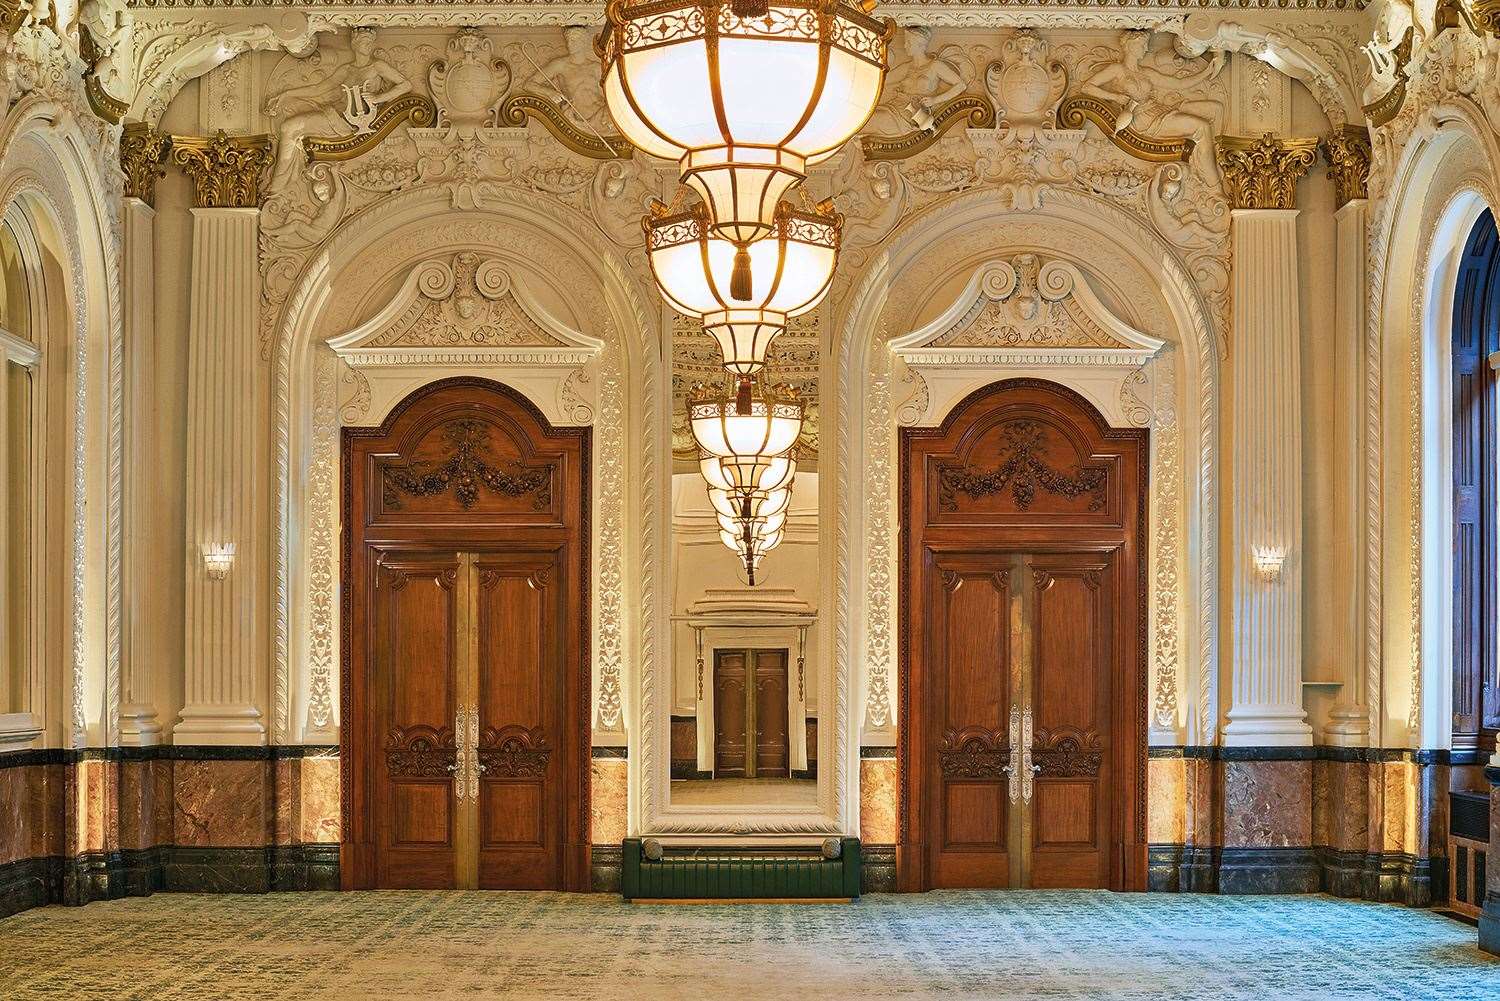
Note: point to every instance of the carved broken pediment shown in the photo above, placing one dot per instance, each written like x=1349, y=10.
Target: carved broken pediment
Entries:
x=1023, y=316
x=1025, y=303
x=463, y=307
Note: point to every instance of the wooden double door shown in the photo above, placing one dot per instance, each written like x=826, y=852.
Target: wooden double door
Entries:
x=1023, y=748
x=466, y=722
x=750, y=714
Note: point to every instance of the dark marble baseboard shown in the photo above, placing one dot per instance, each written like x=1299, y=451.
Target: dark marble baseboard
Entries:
x=1489, y=925
x=689, y=770
x=877, y=868
x=1269, y=870
x=1182, y=869
x=1390, y=877
x=606, y=865
x=169, y=868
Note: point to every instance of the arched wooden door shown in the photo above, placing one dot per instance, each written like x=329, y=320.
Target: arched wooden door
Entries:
x=1023, y=645
x=466, y=645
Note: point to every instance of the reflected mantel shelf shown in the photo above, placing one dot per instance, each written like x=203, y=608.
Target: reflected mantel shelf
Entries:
x=743, y=606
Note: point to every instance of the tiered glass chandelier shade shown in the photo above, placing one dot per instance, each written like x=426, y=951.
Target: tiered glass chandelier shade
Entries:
x=747, y=444
x=744, y=309
x=745, y=95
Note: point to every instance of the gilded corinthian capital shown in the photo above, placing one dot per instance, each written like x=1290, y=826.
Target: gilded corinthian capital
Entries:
x=1348, y=154
x=1262, y=173
x=1485, y=14
x=143, y=150
x=225, y=170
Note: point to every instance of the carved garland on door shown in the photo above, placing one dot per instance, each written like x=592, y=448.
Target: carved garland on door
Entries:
x=1022, y=472
x=973, y=753
x=465, y=471
x=513, y=752
x=1067, y=754
x=420, y=752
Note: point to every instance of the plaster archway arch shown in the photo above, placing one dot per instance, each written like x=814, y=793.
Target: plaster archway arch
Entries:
x=53, y=177
x=369, y=252
x=1443, y=179
x=1084, y=230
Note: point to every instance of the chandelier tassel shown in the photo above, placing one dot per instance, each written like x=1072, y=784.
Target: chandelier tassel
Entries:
x=742, y=399
x=750, y=8
x=741, y=283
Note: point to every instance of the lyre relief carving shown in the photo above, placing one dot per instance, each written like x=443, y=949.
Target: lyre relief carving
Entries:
x=465, y=471
x=1022, y=471
x=974, y=753
x=510, y=752
x=420, y=752
x=1067, y=753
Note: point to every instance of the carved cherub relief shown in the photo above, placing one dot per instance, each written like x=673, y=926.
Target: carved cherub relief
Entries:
x=1159, y=94
x=349, y=95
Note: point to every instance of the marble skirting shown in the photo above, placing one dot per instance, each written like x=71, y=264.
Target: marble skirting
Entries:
x=96, y=824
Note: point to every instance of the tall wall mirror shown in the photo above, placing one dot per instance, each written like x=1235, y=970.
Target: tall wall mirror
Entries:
x=748, y=638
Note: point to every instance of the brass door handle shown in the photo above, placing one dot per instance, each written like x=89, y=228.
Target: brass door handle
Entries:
x=466, y=769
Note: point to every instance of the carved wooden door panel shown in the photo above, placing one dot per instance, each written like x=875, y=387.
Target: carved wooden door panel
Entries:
x=970, y=704
x=521, y=717
x=772, y=753
x=731, y=715
x=415, y=698
x=465, y=674
x=1022, y=750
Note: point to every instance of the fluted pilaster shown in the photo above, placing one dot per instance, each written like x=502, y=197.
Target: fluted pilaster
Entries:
x=1349, y=721
x=139, y=723
x=224, y=646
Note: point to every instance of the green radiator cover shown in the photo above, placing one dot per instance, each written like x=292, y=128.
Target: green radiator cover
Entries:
x=739, y=874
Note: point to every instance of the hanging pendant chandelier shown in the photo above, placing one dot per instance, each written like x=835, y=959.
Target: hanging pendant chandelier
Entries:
x=789, y=274
x=744, y=94
x=747, y=440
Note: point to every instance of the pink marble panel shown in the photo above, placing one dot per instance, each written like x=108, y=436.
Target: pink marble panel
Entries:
x=1166, y=800
x=1399, y=799
x=1200, y=817
x=878, y=801
x=288, y=823
x=222, y=803
x=137, y=804
x=609, y=800
x=16, y=813
x=320, y=801
x=1267, y=804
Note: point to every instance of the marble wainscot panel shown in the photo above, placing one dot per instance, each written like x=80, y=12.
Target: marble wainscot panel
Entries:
x=1341, y=823
x=1268, y=822
x=879, y=818
x=1182, y=821
x=32, y=810
x=307, y=818
x=609, y=808
x=223, y=823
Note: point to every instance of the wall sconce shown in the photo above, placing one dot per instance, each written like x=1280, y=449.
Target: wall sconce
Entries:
x=217, y=559
x=1268, y=561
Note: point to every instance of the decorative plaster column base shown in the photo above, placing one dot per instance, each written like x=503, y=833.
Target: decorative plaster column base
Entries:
x=139, y=725
x=1348, y=726
x=220, y=724
x=1272, y=727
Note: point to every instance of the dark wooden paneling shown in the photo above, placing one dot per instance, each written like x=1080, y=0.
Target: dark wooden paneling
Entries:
x=470, y=466
x=731, y=718
x=772, y=751
x=1023, y=478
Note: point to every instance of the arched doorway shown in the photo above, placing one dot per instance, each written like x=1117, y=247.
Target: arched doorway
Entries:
x=1476, y=574
x=1023, y=616
x=465, y=619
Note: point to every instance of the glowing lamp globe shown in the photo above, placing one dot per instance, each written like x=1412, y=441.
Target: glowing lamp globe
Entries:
x=749, y=443
x=776, y=474
x=757, y=528
x=749, y=504
x=744, y=94
x=744, y=295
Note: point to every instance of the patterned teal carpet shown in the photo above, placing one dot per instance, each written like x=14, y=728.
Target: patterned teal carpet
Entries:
x=376, y=946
